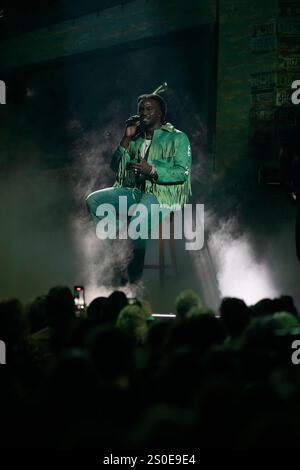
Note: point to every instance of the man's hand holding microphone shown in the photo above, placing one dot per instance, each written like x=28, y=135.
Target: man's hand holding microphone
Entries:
x=132, y=124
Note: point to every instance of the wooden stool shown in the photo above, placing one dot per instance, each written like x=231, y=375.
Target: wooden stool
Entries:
x=161, y=266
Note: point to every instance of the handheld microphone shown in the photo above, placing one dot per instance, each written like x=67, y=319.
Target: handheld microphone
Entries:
x=132, y=120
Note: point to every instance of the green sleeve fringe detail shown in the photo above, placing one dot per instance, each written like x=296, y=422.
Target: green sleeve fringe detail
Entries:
x=172, y=197
x=122, y=173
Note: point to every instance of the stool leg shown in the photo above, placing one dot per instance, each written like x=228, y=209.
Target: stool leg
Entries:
x=161, y=254
x=172, y=246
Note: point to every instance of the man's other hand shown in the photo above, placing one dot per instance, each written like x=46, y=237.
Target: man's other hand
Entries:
x=142, y=167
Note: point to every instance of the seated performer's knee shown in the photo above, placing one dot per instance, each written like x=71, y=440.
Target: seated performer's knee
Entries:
x=95, y=199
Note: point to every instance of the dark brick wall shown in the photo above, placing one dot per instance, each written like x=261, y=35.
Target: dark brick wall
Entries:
x=236, y=63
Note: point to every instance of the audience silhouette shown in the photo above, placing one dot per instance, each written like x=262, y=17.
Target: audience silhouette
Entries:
x=120, y=379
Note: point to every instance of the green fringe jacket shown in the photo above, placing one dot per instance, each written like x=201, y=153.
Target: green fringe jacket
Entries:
x=170, y=152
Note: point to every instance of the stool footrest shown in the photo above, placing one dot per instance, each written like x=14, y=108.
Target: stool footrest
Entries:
x=156, y=266
x=161, y=266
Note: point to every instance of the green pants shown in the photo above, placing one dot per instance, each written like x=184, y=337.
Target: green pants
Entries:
x=134, y=196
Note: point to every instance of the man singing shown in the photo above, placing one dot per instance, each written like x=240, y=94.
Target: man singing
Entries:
x=152, y=166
